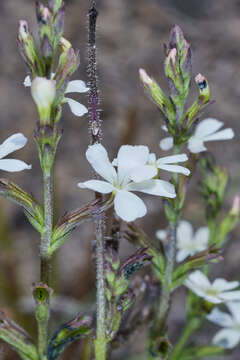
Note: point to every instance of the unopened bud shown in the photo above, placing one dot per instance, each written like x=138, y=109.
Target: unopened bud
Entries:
x=43, y=13
x=43, y=92
x=236, y=206
x=64, y=44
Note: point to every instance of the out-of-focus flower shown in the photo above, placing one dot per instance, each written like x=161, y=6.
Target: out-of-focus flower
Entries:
x=217, y=292
x=128, y=206
x=207, y=130
x=229, y=336
x=11, y=144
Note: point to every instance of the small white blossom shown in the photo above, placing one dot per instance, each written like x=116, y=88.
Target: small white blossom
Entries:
x=153, y=165
x=127, y=205
x=217, y=292
x=229, y=336
x=74, y=86
x=188, y=243
x=43, y=92
x=11, y=144
x=207, y=130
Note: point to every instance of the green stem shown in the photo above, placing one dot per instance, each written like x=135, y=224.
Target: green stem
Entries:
x=191, y=326
x=101, y=340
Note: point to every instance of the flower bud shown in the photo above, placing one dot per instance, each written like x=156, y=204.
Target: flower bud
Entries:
x=43, y=92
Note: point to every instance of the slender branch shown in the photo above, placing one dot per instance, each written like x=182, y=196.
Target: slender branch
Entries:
x=95, y=134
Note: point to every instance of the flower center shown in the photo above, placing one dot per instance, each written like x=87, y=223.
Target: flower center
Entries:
x=212, y=292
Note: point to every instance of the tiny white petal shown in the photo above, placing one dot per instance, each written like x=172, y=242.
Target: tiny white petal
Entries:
x=27, y=81
x=230, y=295
x=223, y=285
x=161, y=234
x=225, y=134
x=198, y=279
x=154, y=187
x=97, y=185
x=234, y=307
x=13, y=165
x=220, y=318
x=164, y=128
x=76, y=108
x=130, y=157
x=207, y=127
x=184, y=233
x=78, y=86
x=141, y=173
x=175, y=168
x=227, y=338
x=128, y=206
x=166, y=143
x=182, y=254
x=12, y=143
x=196, y=145
x=201, y=237
x=172, y=159
x=98, y=158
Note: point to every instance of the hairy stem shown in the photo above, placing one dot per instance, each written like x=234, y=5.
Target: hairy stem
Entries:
x=45, y=261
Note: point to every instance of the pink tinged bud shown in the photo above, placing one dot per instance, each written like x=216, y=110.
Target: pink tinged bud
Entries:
x=236, y=205
x=201, y=81
x=43, y=92
x=173, y=54
x=23, y=30
x=145, y=78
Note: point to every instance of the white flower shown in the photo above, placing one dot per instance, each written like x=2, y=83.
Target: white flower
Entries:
x=77, y=86
x=11, y=144
x=43, y=92
x=152, y=166
x=217, y=292
x=207, y=130
x=128, y=206
x=188, y=243
x=229, y=336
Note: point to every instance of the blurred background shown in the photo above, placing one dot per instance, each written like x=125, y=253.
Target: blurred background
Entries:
x=131, y=34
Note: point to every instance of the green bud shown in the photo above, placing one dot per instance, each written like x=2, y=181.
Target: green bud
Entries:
x=200, y=103
x=43, y=92
x=28, y=49
x=158, y=96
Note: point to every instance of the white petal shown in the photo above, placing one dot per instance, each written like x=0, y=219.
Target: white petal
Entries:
x=98, y=158
x=198, y=280
x=184, y=234
x=175, y=168
x=78, y=86
x=161, y=234
x=27, y=81
x=182, y=255
x=154, y=187
x=12, y=143
x=97, y=185
x=234, y=307
x=76, y=108
x=13, y=165
x=130, y=157
x=196, y=145
x=164, y=128
x=223, y=285
x=207, y=127
x=201, y=237
x=172, y=159
x=220, y=318
x=141, y=173
x=166, y=143
x=230, y=295
x=227, y=338
x=128, y=206
x=225, y=134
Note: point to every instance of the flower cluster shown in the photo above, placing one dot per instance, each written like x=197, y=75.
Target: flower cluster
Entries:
x=134, y=169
